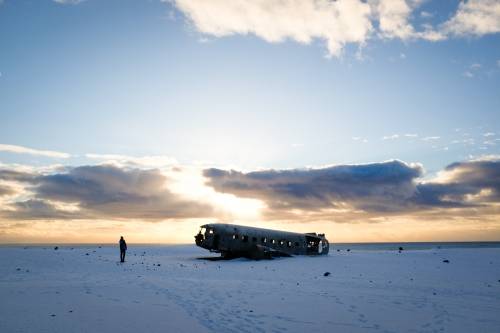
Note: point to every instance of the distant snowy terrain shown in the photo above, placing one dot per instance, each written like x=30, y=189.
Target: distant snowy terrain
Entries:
x=167, y=289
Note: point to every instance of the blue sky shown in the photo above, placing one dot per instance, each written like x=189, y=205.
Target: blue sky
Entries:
x=157, y=78
x=133, y=77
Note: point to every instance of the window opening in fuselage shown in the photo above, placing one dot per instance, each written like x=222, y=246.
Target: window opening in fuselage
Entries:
x=244, y=239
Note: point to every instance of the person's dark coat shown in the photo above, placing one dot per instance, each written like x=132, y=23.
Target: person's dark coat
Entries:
x=123, y=245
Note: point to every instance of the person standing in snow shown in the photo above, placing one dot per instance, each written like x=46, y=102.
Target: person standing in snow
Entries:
x=123, y=249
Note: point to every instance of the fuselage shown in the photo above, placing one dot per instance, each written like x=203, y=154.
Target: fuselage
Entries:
x=236, y=240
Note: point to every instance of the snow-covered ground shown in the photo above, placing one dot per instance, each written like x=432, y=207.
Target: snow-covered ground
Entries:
x=166, y=289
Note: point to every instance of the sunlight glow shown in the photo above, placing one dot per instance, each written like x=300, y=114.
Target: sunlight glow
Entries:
x=190, y=183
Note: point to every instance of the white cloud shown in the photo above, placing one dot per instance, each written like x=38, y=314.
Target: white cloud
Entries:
x=358, y=138
x=475, y=66
x=394, y=19
x=335, y=22
x=489, y=134
x=425, y=14
x=69, y=2
x=469, y=141
x=468, y=74
x=411, y=135
x=30, y=151
x=431, y=138
x=475, y=17
x=390, y=137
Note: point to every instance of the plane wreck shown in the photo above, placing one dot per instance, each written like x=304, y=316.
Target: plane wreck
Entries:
x=233, y=241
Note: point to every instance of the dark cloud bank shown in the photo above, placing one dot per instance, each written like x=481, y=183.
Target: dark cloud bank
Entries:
x=102, y=191
x=378, y=189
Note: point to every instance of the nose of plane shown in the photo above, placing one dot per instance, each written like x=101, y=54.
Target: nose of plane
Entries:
x=198, y=239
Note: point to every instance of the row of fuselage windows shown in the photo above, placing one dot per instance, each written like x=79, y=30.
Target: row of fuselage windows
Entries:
x=264, y=240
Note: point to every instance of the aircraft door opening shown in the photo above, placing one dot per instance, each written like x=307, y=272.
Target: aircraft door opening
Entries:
x=313, y=245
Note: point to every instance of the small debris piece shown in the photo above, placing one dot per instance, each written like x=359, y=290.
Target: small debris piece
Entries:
x=52, y=315
x=434, y=294
x=18, y=269
x=56, y=248
x=401, y=248
x=326, y=274
x=250, y=311
x=348, y=250
x=158, y=265
x=70, y=311
x=86, y=254
x=446, y=261
x=338, y=250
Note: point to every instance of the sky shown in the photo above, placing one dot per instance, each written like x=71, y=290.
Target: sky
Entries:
x=372, y=120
